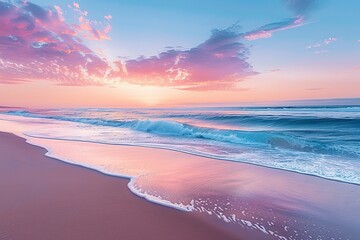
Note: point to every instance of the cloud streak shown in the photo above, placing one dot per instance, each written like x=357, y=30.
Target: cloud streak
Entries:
x=267, y=30
x=301, y=10
x=323, y=43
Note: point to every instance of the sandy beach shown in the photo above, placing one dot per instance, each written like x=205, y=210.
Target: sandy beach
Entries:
x=42, y=198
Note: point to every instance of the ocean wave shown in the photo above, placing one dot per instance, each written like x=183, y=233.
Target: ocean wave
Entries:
x=282, y=120
x=271, y=120
x=285, y=140
x=273, y=139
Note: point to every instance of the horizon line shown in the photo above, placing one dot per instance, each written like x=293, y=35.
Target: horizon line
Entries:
x=283, y=103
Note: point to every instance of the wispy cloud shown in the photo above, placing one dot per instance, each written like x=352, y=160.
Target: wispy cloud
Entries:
x=301, y=10
x=36, y=43
x=323, y=43
x=267, y=30
x=321, y=51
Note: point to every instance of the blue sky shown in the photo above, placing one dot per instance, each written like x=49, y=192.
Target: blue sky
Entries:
x=296, y=52
x=143, y=27
x=147, y=27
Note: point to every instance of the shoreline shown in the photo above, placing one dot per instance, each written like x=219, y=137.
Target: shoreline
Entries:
x=287, y=204
x=177, y=151
x=46, y=199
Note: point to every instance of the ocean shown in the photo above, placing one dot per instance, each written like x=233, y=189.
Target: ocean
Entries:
x=321, y=141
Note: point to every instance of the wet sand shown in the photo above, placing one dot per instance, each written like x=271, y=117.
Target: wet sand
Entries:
x=42, y=198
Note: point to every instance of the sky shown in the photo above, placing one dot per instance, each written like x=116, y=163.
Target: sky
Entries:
x=157, y=53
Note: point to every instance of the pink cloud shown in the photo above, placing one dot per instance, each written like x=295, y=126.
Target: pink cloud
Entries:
x=87, y=30
x=108, y=17
x=93, y=30
x=258, y=34
x=219, y=62
x=36, y=43
x=76, y=5
x=267, y=30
